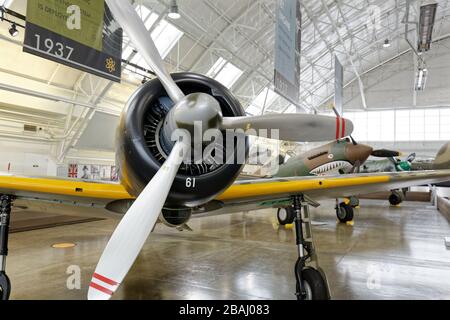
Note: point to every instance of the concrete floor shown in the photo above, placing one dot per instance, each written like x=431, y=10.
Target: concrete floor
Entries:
x=389, y=253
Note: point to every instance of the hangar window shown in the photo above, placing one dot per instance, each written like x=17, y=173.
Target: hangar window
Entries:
x=402, y=125
x=264, y=99
x=225, y=72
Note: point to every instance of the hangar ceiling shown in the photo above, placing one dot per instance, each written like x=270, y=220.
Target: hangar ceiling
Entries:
x=232, y=41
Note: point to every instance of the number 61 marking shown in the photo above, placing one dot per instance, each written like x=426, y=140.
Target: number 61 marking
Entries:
x=190, y=182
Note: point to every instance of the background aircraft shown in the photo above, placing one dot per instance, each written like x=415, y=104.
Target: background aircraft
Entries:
x=391, y=164
x=337, y=157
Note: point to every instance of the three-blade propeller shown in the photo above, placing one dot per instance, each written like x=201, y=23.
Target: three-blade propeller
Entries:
x=133, y=230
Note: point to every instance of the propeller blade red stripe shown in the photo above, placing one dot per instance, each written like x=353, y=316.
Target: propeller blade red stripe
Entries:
x=105, y=279
x=100, y=288
x=343, y=127
x=338, y=127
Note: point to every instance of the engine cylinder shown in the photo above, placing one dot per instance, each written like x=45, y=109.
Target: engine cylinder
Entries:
x=140, y=151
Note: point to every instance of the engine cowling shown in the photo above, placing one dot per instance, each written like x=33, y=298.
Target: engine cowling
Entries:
x=140, y=151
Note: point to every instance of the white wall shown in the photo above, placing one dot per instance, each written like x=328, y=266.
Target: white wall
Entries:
x=27, y=158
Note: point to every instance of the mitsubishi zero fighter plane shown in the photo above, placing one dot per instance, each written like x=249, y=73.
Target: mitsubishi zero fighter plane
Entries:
x=158, y=184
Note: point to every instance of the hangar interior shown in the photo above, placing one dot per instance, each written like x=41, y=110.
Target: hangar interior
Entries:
x=59, y=121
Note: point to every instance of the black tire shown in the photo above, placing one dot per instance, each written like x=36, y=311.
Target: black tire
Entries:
x=395, y=199
x=344, y=213
x=316, y=286
x=5, y=286
x=285, y=215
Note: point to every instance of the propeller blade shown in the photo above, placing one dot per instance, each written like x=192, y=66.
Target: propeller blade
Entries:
x=133, y=230
x=383, y=153
x=131, y=23
x=294, y=127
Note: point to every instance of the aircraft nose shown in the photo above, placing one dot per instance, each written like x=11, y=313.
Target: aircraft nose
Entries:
x=359, y=152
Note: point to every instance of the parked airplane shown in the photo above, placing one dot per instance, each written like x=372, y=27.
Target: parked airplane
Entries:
x=155, y=184
x=391, y=164
x=337, y=157
x=394, y=164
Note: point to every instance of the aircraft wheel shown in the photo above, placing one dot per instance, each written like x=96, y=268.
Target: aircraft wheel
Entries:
x=344, y=212
x=315, y=285
x=285, y=215
x=5, y=286
x=395, y=199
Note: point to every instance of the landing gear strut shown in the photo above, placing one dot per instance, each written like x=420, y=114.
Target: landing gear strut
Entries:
x=5, y=212
x=311, y=283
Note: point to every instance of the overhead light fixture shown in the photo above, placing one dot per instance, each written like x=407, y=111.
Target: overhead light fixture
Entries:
x=13, y=30
x=173, y=11
x=386, y=43
x=421, y=79
x=426, y=25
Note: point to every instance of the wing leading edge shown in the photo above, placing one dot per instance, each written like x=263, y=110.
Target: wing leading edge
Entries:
x=62, y=189
x=241, y=191
x=329, y=187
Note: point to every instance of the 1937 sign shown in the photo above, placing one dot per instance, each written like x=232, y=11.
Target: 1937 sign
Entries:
x=78, y=33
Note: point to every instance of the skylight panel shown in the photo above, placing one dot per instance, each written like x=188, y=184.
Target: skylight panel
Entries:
x=261, y=100
x=138, y=60
x=216, y=68
x=151, y=21
x=225, y=72
x=149, y=18
x=166, y=36
x=267, y=95
x=143, y=12
x=126, y=53
x=229, y=75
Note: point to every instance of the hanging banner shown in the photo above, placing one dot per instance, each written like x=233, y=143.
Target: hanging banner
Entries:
x=287, y=50
x=338, y=86
x=77, y=33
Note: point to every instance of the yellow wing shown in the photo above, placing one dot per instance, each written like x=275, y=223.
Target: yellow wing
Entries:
x=77, y=191
x=329, y=186
x=62, y=189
